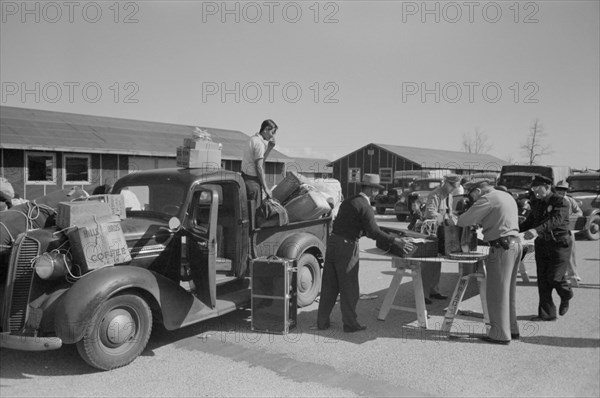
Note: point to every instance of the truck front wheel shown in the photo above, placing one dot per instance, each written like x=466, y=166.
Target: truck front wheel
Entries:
x=401, y=217
x=117, y=333
x=593, y=232
x=380, y=210
x=308, y=279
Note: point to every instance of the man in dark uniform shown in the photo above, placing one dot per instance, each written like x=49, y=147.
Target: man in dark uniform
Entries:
x=497, y=214
x=340, y=272
x=548, y=223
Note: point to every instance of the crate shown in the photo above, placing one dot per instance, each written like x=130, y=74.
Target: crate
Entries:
x=273, y=294
x=115, y=202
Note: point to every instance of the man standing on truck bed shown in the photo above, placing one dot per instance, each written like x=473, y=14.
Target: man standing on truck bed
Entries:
x=254, y=159
x=340, y=272
x=548, y=223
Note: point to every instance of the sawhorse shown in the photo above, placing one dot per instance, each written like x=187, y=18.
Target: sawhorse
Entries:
x=409, y=267
x=459, y=292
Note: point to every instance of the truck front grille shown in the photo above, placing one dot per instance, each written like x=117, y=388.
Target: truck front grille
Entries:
x=23, y=275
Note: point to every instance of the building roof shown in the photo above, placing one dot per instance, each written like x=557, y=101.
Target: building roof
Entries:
x=443, y=159
x=308, y=165
x=33, y=129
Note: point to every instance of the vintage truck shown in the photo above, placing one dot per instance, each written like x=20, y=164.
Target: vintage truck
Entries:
x=517, y=179
x=191, y=242
x=585, y=189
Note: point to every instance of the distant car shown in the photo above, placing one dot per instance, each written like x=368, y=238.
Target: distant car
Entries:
x=419, y=189
x=387, y=199
x=585, y=188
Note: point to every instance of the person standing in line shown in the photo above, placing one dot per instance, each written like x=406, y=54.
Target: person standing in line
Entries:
x=497, y=213
x=548, y=224
x=438, y=207
x=574, y=210
x=340, y=272
x=254, y=158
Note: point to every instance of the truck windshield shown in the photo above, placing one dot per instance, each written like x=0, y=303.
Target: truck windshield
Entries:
x=588, y=185
x=425, y=185
x=518, y=181
x=163, y=200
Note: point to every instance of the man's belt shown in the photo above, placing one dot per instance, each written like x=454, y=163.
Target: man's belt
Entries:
x=249, y=177
x=504, y=242
x=349, y=240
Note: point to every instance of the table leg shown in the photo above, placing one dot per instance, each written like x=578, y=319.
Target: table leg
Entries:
x=457, y=296
x=419, y=296
x=391, y=294
x=481, y=281
x=523, y=272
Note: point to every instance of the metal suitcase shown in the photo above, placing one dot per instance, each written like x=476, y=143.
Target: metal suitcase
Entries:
x=273, y=294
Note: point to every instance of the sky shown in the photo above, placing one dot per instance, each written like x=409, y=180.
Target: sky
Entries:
x=334, y=75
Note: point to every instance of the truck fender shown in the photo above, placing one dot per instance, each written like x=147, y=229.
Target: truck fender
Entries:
x=590, y=212
x=294, y=245
x=76, y=307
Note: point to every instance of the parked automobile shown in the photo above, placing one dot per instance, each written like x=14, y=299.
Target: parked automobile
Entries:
x=585, y=188
x=418, y=190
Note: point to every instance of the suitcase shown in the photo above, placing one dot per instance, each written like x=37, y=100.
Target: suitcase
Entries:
x=424, y=245
x=309, y=206
x=273, y=294
x=288, y=186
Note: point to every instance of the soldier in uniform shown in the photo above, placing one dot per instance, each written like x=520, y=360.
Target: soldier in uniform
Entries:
x=548, y=223
x=497, y=214
x=340, y=272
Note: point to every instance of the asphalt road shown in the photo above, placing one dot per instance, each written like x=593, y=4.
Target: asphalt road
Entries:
x=223, y=357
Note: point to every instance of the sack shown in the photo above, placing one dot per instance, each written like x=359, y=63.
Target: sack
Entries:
x=271, y=213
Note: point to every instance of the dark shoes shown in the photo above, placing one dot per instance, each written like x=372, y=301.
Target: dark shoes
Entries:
x=488, y=339
x=355, y=328
x=540, y=319
x=438, y=296
x=324, y=327
x=563, y=308
x=515, y=336
x=427, y=301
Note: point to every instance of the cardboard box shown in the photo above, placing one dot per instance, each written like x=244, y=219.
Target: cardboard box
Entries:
x=194, y=143
x=115, y=202
x=99, y=243
x=202, y=158
x=78, y=213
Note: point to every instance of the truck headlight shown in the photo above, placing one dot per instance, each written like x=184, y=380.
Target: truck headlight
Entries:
x=52, y=265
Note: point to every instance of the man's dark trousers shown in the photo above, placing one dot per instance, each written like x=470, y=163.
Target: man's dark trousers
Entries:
x=551, y=259
x=340, y=275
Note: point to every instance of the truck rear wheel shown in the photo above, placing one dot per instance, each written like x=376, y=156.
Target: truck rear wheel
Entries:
x=308, y=279
x=593, y=232
x=117, y=333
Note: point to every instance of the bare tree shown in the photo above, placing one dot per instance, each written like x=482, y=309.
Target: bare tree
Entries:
x=533, y=147
x=477, y=143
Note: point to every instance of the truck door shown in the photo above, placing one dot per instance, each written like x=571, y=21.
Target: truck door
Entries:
x=202, y=242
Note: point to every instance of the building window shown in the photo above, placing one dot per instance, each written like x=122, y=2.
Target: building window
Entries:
x=354, y=175
x=40, y=168
x=385, y=175
x=77, y=169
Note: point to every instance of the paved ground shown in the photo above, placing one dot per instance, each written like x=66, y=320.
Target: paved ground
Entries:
x=224, y=357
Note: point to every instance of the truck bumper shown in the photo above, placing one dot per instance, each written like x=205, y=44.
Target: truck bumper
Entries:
x=29, y=343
